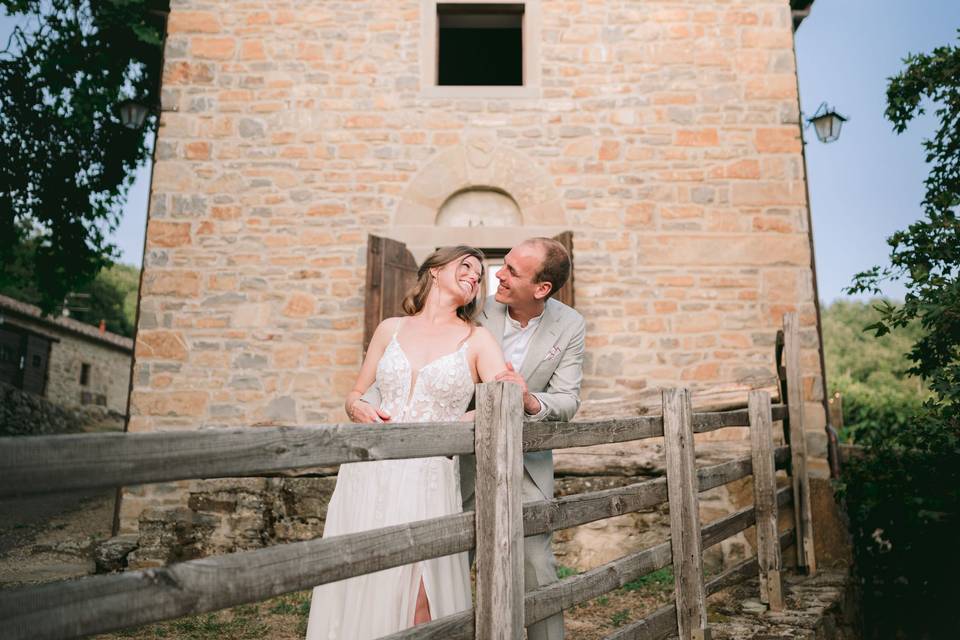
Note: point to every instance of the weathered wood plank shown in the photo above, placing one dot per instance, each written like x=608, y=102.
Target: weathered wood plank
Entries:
x=553, y=598
x=662, y=623
x=764, y=499
x=459, y=626
x=105, y=603
x=745, y=569
x=546, y=601
x=499, y=505
x=682, y=488
x=719, y=397
x=561, y=513
x=732, y=524
x=798, y=444
x=48, y=463
x=43, y=464
x=540, y=436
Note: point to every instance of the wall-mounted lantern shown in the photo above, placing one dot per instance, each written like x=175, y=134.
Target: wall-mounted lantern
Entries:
x=827, y=123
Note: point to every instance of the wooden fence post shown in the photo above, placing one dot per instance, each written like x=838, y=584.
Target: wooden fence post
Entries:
x=499, y=512
x=798, y=445
x=685, y=541
x=765, y=498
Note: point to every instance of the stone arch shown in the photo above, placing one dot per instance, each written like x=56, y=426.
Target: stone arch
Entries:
x=480, y=206
x=480, y=164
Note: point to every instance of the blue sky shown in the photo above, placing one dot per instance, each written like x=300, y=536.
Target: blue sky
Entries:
x=869, y=183
x=863, y=187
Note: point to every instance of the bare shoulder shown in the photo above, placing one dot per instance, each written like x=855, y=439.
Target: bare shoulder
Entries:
x=384, y=330
x=483, y=338
x=390, y=324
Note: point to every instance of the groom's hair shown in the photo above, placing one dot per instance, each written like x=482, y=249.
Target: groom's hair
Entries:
x=556, y=263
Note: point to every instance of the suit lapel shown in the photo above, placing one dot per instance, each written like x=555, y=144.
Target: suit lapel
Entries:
x=543, y=339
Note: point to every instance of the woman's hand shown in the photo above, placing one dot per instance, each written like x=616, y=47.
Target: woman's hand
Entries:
x=364, y=412
x=469, y=416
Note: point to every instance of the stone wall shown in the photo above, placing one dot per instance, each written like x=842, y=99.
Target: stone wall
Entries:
x=665, y=135
x=73, y=344
x=109, y=373
x=25, y=414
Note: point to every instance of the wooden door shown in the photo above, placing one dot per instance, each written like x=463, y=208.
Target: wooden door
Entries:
x=35, y=365
x=391, y=272
x=565, y=295
x=10, y=356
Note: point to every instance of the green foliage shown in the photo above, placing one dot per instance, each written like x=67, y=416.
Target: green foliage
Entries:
x=655, y=581
x=565, y=572
x=868, y=371
x=903, y=496
x=111, y=296
x=926, y=256
x=620, y=618
x=68, y=160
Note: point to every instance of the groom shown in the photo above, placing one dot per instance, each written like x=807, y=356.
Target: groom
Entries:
x=542, y=341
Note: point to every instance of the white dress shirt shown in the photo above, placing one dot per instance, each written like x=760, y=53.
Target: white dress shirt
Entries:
x=516, y=342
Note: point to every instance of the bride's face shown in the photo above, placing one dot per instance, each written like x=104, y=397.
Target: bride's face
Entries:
x=461, y=278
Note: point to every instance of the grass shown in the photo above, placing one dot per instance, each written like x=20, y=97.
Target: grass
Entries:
x=659, y=580
x=620, y=618
x=281, y=618
x=565, y=572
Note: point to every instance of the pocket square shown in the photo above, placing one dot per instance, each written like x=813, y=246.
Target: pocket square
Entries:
x=553, y=353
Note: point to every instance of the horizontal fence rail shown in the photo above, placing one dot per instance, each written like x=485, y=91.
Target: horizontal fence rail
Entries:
x=44, y=464
x=553, y=598
x=662, y=623
x=171, y=592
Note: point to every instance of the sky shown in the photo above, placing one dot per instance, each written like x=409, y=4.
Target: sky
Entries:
x=863, y=187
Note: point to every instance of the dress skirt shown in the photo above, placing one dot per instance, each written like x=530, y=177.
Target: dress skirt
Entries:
x=372, y=495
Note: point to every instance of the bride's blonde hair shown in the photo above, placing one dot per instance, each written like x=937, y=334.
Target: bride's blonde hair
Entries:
x=417, y=295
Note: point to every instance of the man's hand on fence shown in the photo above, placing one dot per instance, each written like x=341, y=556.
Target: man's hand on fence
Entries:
x=531, y=405
x=362, y=411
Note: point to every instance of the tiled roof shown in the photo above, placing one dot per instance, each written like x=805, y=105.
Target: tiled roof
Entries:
x=59, y=323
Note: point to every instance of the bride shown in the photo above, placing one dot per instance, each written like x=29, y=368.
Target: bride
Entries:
x=426, y=366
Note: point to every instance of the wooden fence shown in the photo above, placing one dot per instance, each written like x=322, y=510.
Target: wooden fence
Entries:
x=96, y=604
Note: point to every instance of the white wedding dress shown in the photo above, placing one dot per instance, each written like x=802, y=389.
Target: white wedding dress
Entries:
x=371, y=495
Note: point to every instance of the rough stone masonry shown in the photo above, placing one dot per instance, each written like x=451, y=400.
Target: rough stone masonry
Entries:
x=664, y=134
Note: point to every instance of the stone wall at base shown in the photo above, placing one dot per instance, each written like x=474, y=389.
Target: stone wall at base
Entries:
x=223, y=516
x=24, y=414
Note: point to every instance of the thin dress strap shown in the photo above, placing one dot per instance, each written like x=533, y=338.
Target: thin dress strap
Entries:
x=397, y=330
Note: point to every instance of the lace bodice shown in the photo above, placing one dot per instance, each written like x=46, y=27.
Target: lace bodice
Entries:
x=441, y=389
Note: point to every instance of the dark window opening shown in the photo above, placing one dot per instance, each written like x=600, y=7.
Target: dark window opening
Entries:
x=480, y=45
x=37, y=360
x=84, y=374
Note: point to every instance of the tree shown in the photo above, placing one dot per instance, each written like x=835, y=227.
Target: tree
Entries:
x=68, y=160
x=903, y=496
x=111, y=296
x=926, y=256
x=870, y=372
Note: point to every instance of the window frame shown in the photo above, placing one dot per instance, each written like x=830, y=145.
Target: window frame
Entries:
x=429, y=50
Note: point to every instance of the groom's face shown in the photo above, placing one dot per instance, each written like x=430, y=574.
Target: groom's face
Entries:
x=520, y=267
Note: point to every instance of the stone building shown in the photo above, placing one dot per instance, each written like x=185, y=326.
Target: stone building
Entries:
x=664, y=136
x=67, y=362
